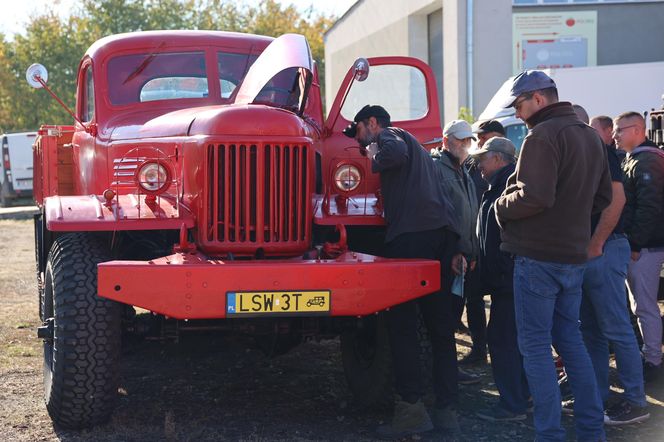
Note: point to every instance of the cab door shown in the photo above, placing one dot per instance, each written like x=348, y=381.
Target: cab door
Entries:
x=406, y=88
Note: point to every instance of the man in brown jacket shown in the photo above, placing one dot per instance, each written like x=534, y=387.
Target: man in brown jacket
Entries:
x=561, y=178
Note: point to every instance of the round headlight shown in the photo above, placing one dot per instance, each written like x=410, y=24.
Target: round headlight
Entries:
x=153, y=177
x=347, y=178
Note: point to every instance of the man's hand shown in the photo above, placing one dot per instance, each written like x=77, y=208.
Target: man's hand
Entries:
x=473, y=264
x=635, y=256
x=371, y=150
x=595, y=249
x=458, y=264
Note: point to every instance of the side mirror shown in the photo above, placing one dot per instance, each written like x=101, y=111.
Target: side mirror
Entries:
x=361, y=69
x=35, y=71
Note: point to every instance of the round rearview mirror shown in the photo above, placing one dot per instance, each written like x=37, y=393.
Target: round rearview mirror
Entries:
x=361, y=68
x=36, y=70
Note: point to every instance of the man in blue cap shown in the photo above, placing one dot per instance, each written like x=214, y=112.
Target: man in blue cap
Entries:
x=561, y=179
x=419, y=225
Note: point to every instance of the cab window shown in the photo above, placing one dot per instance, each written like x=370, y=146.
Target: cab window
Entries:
x=400, y=89
x=88, y=101
x=157, y=76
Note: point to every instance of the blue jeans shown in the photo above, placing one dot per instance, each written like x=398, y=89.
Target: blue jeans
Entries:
x=604, y=318
x=547, y=299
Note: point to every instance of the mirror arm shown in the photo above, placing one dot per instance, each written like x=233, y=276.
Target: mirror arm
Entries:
x=91, y=129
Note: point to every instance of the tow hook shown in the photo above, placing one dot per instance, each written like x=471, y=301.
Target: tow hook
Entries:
x=46, y=331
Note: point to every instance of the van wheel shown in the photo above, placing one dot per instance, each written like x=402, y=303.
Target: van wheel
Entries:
x=367, y=361
x=81, y=335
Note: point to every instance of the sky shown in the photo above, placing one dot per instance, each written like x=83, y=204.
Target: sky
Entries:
x=12, y=20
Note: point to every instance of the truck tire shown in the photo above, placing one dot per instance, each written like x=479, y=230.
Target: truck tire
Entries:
x=81, y=356
x=367, y=362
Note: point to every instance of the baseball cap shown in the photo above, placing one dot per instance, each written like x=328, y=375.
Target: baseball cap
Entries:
x=527, y=81
x=496, y=144
x=490, y=126
x=458, y=129
x=364, y=113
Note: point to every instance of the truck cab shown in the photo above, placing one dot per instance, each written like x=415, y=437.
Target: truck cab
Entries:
x=201, y=182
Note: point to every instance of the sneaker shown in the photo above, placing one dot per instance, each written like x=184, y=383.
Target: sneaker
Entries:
x=446, y=419
x=408, y=419
x=624, y=413
x=465, y=378
x=651, y=371
x=568, y=407
x=500, y=414
x=476, y=356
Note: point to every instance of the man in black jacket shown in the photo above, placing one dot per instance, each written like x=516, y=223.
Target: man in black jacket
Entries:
x=496, y=161
x=643, y=215
x=419, y=225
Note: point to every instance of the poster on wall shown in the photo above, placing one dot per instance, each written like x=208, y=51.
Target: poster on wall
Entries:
x=553, y=40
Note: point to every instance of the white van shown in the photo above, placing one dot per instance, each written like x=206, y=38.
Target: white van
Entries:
x=597, y=88
x=16, y=166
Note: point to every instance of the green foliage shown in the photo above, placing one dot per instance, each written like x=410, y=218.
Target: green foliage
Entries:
x=60, y=43
x=466, y=114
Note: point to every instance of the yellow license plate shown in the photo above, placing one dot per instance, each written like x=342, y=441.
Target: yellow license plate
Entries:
x=268, y=303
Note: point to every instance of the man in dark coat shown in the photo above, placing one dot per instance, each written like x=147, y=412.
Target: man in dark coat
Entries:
x=419, y=225
x=496, y=160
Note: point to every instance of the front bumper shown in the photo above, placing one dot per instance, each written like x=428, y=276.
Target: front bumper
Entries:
x=190, y=286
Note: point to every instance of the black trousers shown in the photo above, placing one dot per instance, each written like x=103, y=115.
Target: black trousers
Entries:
x=475, y=309
x=439, y=313
x=506, y=360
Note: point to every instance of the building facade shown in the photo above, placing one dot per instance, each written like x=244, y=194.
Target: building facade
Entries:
x=473, y=46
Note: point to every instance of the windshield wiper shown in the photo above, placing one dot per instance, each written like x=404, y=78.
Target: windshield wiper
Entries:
x=144, y=64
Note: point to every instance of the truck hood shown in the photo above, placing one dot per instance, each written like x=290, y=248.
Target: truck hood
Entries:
x=287, y=51
x=223, y=120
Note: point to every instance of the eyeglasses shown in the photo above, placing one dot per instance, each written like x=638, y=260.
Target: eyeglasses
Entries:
x=617, y=130
x=517, y=104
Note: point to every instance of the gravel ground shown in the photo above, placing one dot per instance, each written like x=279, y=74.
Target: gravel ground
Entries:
x=220, y=388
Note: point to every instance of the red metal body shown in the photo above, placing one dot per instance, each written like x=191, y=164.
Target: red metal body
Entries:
x=236, y=121
x=189, y=286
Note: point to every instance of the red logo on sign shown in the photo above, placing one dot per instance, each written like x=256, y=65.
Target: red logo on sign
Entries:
x=570, y=22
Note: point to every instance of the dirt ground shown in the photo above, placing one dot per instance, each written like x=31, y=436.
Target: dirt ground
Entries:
x=220, y=388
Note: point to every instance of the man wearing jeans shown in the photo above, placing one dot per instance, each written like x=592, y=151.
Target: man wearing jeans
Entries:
x=561, y=178
x=604, y=312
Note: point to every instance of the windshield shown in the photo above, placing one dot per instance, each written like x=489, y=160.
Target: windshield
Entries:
x=146, y=77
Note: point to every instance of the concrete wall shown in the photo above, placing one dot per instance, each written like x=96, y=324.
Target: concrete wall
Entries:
x=492, y=54
x=374, y=28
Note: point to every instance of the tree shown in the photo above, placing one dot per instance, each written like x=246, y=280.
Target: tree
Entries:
x=59, y=44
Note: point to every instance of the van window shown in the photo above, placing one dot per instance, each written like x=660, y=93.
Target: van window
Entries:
x=516, y=133
x=400, y=89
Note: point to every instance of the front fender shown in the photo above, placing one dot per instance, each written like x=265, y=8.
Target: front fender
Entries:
x=125, y=212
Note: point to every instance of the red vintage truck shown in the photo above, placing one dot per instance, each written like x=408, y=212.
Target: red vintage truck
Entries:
x=200, y=182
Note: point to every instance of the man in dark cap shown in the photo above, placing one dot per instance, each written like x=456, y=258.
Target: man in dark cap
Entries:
x=488, y=129
x=418, y=226
x=561, y=178
x=495, y=161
